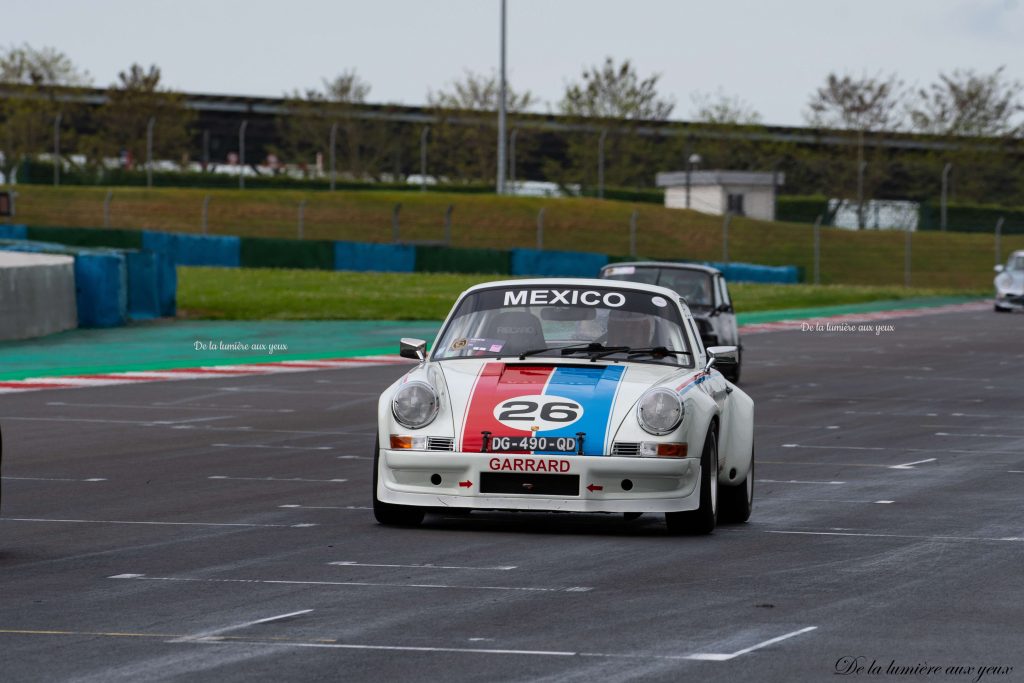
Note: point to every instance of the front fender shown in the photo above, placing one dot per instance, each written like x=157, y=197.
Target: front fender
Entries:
x=736, y=437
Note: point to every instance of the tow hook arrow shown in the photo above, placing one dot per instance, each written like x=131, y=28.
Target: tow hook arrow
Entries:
x=465, y=484
x=594, y=487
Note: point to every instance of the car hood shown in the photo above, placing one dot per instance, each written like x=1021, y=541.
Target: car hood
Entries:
x=508, y=398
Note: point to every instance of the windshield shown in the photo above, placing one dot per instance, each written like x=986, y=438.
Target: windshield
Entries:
x=542, y=321
x=1016, y=262
x=692, y=285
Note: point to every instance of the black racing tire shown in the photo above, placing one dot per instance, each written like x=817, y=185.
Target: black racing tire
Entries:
x=1000, y=309
x=389, y=514
x=737, y=502
x=704, y=518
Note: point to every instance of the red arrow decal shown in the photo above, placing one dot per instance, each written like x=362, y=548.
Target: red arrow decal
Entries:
x=465, y=484
x=594, y=487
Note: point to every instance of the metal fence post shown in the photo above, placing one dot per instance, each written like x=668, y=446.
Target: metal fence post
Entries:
x=632, y=233
x=423, y=158
x=540, y=228
x=241, y=153
x=600, y=163
x=149, y=150
x=395, y=227
x=206, y=150
x=302, y=217
x=448, y=224
x=206, y=214
x=512, y=160
x=333, y=143
x=725, y=236
x=999, y=236
x=817, y=250
x=906, y=259
x=945, y=193
x=106, y=208
x=56, y=148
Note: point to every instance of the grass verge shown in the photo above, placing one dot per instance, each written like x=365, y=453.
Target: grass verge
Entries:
x=268, y=294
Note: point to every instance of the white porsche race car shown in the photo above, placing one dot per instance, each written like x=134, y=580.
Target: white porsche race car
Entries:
x=566, y=395
x=1010, y=284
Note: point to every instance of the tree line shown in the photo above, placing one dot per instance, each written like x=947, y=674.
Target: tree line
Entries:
x=609, y=111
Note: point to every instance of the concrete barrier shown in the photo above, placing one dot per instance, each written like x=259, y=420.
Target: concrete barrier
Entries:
x=37, y=294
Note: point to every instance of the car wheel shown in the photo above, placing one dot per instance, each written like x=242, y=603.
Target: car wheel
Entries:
x=1000, y=309
x=738, y=501
x=703, y=519
x=387, y=513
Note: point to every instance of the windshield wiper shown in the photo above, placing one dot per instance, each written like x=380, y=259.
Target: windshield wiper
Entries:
x=631, y=352
x=586, y=347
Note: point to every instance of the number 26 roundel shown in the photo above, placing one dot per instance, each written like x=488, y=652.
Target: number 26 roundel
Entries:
x=546, y=412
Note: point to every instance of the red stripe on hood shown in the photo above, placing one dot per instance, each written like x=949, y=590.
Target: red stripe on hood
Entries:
x=498, y=382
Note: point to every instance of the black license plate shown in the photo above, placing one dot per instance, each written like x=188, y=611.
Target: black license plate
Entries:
x=530, y=483
x=546, y=444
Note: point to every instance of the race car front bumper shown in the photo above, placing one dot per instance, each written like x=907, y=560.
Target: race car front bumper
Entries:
x=1008, y=301
x=570, y=483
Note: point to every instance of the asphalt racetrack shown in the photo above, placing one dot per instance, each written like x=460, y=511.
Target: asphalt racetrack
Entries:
x=220, y=530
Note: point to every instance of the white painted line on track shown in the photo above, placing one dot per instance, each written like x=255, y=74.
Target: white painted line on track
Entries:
x=222, y=477
x=328, y=507
x=91, y=479
x=227, y=629
x=885, y=502
x=284, y=582
x=172, y=406
x=910, y=465
x=345, y=563
x=286, y=448
x=752, y=648
x=121, y=521
x=837, y=448
x=981, y=436
x=871, y=535
x=795, y=481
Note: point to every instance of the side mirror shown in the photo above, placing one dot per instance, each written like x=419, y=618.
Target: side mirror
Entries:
x=999, y=268
x=725, y=308
x=415, y=349
x=721, y=355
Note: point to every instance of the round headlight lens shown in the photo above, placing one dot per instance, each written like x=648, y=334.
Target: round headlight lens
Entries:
x=659, y=412
x=415, y=405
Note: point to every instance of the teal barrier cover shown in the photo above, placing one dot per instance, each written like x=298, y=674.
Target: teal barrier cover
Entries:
x=13, y=232
x=557, y=263
x=101, y=288
x=143, y=289
x=393, y=258
x=195, y=250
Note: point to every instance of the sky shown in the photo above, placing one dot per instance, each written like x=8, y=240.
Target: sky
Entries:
x=771, y=54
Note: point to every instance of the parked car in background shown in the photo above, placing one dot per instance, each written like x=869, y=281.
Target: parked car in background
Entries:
x=704, y=290
x=1010, y=284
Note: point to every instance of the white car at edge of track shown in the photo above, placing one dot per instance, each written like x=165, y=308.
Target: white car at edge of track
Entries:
x=571, y=395
x=1010, y=284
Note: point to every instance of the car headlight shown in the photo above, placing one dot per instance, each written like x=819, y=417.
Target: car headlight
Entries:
x=659, y=412
x=415, y=405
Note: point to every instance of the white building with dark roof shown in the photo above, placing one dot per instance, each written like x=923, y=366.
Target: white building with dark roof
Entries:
x=744, y=193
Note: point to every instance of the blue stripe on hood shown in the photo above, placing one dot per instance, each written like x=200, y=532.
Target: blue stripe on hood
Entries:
x=594, y=388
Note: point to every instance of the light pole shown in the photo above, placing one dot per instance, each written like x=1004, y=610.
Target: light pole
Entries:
x=692, y=161
x=501, y=109
x=945, y=194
